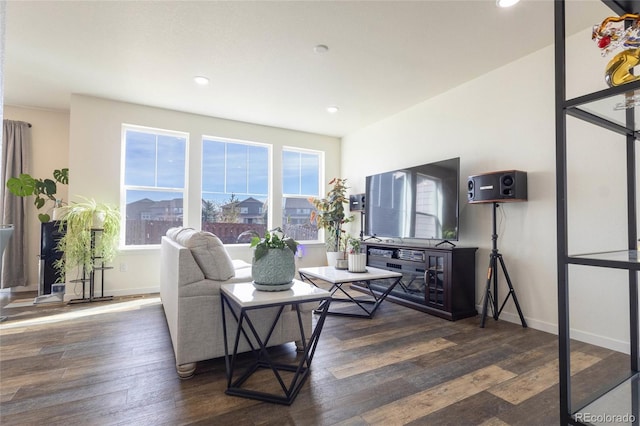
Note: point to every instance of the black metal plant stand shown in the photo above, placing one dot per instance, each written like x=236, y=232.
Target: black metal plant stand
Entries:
x=492, y=276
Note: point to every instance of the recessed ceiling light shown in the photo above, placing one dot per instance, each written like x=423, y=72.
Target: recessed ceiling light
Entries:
x=506, y=3
x=201, y=80
x=332, y=109
x=321, y=48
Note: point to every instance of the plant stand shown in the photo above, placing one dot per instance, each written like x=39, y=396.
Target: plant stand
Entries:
x=90, y=277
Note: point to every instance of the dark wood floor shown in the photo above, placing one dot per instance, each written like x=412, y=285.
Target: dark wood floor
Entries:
x=116, y=367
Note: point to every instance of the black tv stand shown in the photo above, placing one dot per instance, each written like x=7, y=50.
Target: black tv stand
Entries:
x=437, y=280
x=445, y=242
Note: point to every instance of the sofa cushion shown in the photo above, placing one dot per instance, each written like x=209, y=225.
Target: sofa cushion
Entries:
x=207, y=250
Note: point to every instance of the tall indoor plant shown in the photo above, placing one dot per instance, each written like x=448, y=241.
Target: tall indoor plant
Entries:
x=44, y=190
x=78, y=222
x=330, y=214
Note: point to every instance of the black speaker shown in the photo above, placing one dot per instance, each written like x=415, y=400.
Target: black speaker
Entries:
x=50, y=235
x=508, y=185
x=356, y=202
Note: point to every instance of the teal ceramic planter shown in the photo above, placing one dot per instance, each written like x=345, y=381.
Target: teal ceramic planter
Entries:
x=275, y=270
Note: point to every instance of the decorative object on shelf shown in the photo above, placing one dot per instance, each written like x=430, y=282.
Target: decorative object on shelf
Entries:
x=273, y=266
x=329, y=214
x=611, y=34
x=43, y=189
x=357, y=260
x=79, y=219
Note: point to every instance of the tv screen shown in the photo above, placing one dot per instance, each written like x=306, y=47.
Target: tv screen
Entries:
x=415, y=202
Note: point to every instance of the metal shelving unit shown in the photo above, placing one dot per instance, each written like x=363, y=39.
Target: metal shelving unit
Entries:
x=89, y=277
x=623, y=396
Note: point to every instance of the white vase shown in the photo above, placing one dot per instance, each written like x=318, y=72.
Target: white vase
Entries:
x=98, y=219
x=334, y=256
x=56, y=212
x=357, y=262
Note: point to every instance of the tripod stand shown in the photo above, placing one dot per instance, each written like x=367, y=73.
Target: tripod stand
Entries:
x=492, y=276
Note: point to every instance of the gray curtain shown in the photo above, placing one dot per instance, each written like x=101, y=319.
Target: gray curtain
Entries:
x=16, y=143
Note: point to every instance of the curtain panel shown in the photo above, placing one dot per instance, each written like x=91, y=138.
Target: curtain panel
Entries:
x=16, y=143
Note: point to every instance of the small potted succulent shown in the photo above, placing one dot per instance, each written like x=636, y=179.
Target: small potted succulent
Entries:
x=273, y=266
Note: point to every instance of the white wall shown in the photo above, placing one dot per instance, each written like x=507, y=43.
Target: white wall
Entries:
x=504, y=120
x=50, y=151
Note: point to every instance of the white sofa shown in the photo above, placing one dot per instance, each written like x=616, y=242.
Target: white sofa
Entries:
x=194, y=264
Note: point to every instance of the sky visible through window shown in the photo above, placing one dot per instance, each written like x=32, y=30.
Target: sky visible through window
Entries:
x=154, y=161
x=228, y=168
x=231, y=168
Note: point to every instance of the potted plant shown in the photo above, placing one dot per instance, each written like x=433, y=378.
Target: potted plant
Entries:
x=273, y=266
x=329, y=214
x=357, y=260
x=78, y=222
x=44, y=190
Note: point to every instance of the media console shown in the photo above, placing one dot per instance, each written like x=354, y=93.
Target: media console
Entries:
x=437, y=280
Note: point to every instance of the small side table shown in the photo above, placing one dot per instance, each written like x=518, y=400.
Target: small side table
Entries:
x=247, y=298
x=338, y=277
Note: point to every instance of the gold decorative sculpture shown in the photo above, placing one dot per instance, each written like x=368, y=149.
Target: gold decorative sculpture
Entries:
x=612, y=34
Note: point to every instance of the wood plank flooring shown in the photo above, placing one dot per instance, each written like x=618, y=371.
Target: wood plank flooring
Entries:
x=98, y=365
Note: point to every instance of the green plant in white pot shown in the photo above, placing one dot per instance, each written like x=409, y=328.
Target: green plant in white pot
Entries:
x=273, y=266
x=77, y=222
x=357, y=260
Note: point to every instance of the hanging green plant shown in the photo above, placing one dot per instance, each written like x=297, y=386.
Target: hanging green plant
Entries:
x=77, y=222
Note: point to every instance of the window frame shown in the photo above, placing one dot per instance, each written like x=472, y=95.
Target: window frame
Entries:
x=321, y=187
x=125, y=127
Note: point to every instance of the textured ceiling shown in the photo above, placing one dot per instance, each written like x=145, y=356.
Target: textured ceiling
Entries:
x=384, y=56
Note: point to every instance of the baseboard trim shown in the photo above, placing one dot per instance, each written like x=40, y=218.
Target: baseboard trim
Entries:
x=579, y=335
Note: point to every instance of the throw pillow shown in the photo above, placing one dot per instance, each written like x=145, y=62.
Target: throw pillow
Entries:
x=208, y=252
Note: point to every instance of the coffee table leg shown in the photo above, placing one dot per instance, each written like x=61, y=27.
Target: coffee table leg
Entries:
x=263, y=360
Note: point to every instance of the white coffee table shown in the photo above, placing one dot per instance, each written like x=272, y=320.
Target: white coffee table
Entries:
x=338, y=277
x=245, y=297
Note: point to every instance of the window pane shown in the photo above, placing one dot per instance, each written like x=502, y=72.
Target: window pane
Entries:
x=140, y=159
x=236, y=168
x=258, y=169
x=290, y=172
x=149, y=214
x=154, y=184
x=171, y=161
x=300, y=173
x=213, y=166
x=295, y=219
x=300, y=180
x=235, y=190
x=310, y=172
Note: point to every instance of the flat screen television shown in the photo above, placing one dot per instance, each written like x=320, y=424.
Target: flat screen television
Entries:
x=415, y=202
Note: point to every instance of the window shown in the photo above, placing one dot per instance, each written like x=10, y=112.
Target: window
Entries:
x=235, y=185
x=300, y=180
x=154, y=181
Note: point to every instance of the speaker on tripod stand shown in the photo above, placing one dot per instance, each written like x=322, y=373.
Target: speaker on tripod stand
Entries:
x=494, y=188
